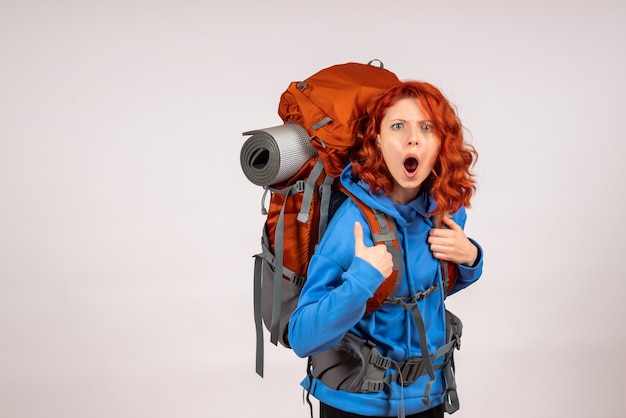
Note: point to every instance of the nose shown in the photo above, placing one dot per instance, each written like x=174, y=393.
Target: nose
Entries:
x=413, y=136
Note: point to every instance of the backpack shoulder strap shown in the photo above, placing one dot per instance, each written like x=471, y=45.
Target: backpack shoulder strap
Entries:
x=384, y=231
x=448, y=270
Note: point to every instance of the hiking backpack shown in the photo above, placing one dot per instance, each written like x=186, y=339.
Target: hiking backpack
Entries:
x=297, y=164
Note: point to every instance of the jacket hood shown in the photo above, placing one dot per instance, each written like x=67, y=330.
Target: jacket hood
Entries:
x=403, y=214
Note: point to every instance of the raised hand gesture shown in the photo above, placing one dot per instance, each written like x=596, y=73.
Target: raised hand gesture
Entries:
x=377, y=256
x=451, y=244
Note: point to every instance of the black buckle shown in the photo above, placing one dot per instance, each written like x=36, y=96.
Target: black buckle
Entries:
x=379, y=361
x=411, y=370
x=369, y=386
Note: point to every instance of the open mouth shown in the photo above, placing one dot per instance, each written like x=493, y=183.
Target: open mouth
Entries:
x=410, y=165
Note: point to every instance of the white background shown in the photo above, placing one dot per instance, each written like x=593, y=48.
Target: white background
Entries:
x=127, y=228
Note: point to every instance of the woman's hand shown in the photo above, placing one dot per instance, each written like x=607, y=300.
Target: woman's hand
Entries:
x=451, y=244
x=377, y=256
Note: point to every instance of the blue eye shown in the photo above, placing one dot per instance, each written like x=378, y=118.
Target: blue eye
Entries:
x=427, y=127
x=397, y=125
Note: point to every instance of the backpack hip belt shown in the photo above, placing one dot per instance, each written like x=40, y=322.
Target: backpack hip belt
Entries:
x=356, y=365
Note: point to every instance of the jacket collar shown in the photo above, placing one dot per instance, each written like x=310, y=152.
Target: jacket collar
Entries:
x=403, y=214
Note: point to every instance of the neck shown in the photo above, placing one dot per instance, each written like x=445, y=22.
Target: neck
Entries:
x=400, y=196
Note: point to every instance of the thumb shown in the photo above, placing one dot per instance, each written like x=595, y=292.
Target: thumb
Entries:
x=359, y=245
x=450, y=223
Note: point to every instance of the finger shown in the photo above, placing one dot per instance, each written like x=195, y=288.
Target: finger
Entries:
x=358, y=237
x=439, y=248
x=440, y=232
x=442, y=256
x=435, y=240
x=451, y=224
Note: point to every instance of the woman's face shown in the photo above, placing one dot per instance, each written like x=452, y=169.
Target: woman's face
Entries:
x=409, y=146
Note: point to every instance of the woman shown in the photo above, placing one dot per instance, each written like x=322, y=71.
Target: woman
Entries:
x=412, y=163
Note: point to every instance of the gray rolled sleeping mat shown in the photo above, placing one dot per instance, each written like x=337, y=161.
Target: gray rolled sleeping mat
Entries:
x=273, y=155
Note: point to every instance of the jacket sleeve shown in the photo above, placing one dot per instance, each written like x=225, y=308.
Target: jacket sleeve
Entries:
x=337, y=288
x=467, y=274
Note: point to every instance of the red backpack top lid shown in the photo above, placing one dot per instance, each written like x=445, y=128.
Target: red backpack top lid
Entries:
x=329, y=105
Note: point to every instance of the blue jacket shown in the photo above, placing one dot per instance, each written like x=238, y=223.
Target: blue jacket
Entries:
x=339, y=284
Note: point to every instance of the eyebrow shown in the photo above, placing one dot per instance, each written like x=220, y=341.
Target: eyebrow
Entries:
x=419, y=121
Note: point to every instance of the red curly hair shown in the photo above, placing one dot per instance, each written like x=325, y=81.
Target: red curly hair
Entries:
x=451, y=184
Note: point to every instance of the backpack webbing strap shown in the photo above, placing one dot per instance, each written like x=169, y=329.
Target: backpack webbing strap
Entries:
x=454, y=330
x=421, y=332
x=258, y=320
x=445, y=277
x=325, y=194
x=309, y=189
x=451, y=396
x=259, y=259
x=321, y=123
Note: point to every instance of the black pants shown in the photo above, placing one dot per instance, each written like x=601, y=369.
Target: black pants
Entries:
x=327, y=411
